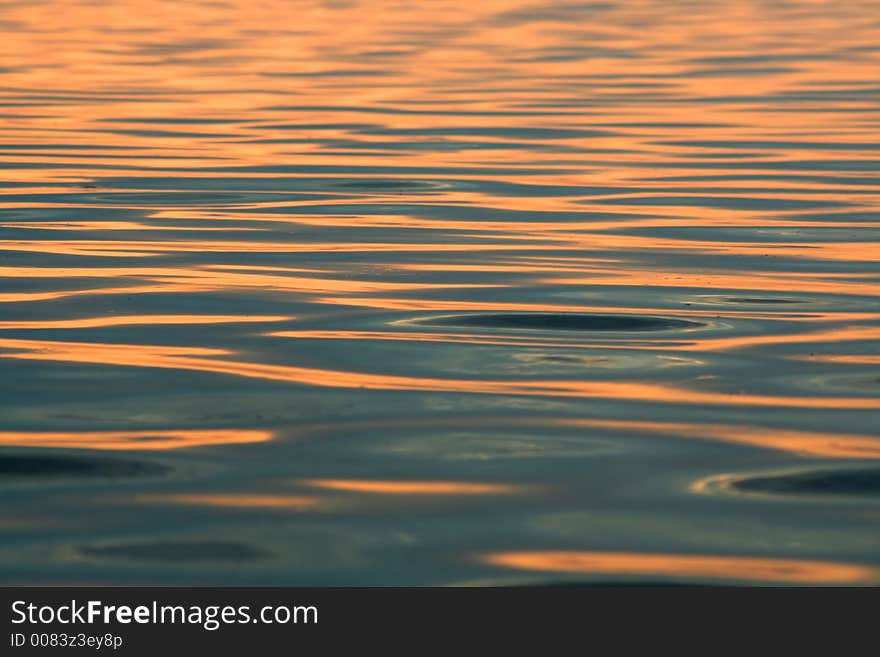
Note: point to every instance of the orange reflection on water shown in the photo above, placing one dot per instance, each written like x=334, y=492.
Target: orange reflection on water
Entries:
x=136, y=272
x=25, y=297
x=205, y=279
x=144, y=248
x=235, y=500
x=411, y=487
x=651, y=156
x=685, y=565
x=565, y=233
x=140, y=320
x=709, y=280
x=186, y=358
x=725, y=282
x=836, y=335
x=438, y=305
x=160, y=439
x=803, y=443
x=855, y=359
x=108, y=225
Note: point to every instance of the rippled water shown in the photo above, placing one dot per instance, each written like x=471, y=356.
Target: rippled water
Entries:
x=383, y=293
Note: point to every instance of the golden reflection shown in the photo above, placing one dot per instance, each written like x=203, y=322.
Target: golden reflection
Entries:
x=235, y=500
x=563, y=232
x=725, y=282
x=158, y=440
x=498, y=237
x=757, y=569
x=854, y=359
x=109, y=225
x=24, y=297
x=352, y=160
x=186, y=358
x=140, y=320
x=836, y=335
x=411, y=487
x=803, y=443
x=343, y=60
x=205, y=279
x=147, y=249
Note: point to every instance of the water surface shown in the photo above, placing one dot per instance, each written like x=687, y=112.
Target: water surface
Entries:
x=367, y=292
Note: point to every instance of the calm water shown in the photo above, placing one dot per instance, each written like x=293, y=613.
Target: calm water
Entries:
x=444, y=293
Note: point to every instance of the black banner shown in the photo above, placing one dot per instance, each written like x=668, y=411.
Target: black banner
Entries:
x=134, y=621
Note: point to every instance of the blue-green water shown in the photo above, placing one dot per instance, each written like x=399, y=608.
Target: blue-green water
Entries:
x=367, y=293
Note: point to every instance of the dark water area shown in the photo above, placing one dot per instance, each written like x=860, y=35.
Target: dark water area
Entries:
x=364, y=292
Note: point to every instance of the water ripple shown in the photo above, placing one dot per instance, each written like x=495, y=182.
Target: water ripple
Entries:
x=456, y=292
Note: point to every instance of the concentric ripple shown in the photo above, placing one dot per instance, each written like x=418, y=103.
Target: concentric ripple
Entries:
x=563, y=322
x=833, y=483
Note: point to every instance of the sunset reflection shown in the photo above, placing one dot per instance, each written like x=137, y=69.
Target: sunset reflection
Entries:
x=235, y=501
x=386, y=283
x=133, y=440
x=186, y=358
x=790, y=571
x=411, y=487
x=805, y=443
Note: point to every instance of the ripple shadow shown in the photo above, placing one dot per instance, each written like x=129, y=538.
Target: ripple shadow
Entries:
x=861, y=482
x=563, y=322
x=24, y=466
